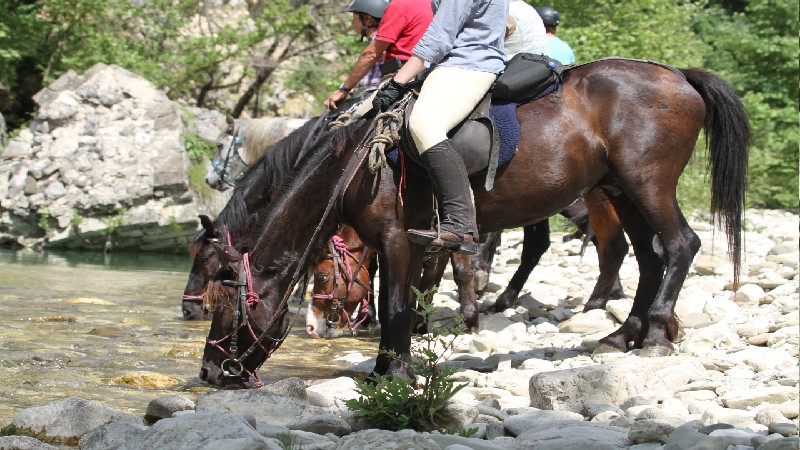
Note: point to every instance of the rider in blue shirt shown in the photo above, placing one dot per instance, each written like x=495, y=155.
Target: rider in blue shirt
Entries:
x=559, y=49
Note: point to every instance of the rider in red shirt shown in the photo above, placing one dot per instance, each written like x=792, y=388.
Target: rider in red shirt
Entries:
x=402, y=25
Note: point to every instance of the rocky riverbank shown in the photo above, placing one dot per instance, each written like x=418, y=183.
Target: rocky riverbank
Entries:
x=104, y=165
x=531, y=379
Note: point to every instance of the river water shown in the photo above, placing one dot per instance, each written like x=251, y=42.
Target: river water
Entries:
x=109, y=328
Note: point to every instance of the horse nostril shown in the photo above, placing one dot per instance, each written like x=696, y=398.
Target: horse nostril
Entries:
x=204, y=374
x=186, y=314
x=310, y=329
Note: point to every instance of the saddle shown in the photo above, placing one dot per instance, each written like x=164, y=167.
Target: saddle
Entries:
x=478, y=138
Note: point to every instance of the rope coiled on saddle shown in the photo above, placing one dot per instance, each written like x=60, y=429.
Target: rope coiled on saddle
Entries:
x=387, y=133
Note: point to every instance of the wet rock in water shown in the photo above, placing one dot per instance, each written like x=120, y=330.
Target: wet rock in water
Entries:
x=109, y=331
x=64, y=421
x=164, y=407
x=147, y=380
x=185, y=351
x=88, y=301
x=223, y=430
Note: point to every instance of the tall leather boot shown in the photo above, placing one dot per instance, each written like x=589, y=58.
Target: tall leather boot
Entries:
x=457, y=228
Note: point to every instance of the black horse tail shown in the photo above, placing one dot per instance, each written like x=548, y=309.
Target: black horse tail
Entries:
x=728, y=141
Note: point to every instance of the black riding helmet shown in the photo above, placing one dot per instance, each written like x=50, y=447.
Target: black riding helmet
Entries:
x=549, y=16
x=374, y=8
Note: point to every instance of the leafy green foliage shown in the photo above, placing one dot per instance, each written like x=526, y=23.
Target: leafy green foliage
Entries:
x=197, y=147
x=395, y=404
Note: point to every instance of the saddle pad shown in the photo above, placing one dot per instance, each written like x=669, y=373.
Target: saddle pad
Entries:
x=503, y=114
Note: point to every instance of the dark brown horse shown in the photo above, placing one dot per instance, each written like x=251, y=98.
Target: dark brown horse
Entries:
x=252, y=192
x=342, y=287
x=627, y=127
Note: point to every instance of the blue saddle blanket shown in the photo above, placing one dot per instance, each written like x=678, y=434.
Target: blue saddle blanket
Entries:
x=504, y=116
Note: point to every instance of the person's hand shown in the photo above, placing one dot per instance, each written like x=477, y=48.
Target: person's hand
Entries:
x=388, y=94
x=337, y=96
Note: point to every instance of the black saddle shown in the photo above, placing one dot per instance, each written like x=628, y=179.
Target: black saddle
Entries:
x=476, y=139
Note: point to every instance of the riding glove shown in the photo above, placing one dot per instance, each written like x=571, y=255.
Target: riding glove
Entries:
x=388, y=94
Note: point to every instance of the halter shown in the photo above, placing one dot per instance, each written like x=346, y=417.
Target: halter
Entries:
x=247, y=299
x=232, y=150
x=339, y=253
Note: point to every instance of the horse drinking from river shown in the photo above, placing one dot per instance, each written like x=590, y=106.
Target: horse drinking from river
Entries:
x=627, y=127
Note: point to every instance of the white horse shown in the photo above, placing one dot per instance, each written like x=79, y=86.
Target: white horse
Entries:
x=242, y=143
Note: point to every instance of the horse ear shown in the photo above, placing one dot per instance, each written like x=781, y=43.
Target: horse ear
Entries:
x=208, y=225
x=226, y=253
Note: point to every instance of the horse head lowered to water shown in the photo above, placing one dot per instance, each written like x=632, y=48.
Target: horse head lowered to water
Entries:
x=626, y=127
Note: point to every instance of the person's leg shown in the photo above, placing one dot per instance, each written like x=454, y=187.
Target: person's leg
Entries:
x=447, y=97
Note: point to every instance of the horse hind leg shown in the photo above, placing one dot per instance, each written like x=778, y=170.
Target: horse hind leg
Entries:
x=609, y=239
x=671, y=245
x=535, y=242
x=651, y=271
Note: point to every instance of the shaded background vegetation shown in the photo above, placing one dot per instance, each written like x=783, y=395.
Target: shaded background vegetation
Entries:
x=258, y=56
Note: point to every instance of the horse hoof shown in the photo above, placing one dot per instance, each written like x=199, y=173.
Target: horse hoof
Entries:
x=656, y=351
x=606, y=348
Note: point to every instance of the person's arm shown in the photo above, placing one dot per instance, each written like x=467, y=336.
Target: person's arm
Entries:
x=410, y=69
x=366, y=61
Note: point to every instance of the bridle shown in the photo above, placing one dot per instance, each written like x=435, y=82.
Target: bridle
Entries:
x=247, y=299
x=343, y=274
x=232, y=151
x=244, y=289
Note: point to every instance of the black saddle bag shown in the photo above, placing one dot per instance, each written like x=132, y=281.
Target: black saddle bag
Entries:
x=526, y=75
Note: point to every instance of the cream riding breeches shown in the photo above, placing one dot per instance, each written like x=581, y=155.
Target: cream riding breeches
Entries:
x=447, y=97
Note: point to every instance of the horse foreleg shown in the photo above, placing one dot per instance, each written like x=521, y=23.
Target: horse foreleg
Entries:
x=463, y=275
x=536, y=241
x=397, y=306
x=432, y=272
x=482, y=261
x=609, y=239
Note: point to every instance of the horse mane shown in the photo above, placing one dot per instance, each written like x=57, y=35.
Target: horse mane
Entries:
x=269, y=169
x=329, y=144
x=262, y=133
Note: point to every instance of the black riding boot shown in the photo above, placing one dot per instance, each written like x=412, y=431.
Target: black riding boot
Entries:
x=457, y=229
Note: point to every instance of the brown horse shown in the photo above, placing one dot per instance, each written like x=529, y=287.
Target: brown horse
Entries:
x=342, y=287
x=627, y=127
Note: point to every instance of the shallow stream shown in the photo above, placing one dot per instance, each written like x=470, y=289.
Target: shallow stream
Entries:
x=108, y=328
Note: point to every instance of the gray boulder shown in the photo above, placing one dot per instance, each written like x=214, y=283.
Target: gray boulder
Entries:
x=111, y=435
x=201, y=431
x=613, y=383
x=164, y=407
x=386, y=440
x=23, y=443
x=567, y=435
x=267, y=406
x=65, y=421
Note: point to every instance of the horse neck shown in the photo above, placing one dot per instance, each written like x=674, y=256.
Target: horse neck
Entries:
x=294, y=222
